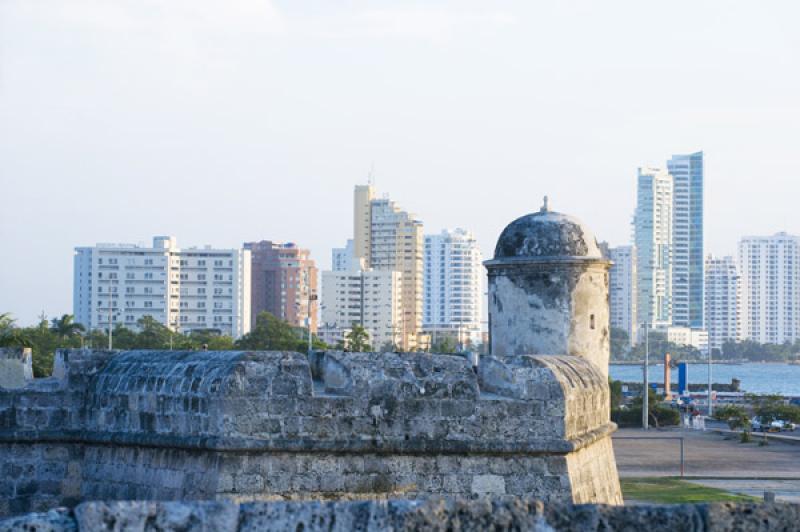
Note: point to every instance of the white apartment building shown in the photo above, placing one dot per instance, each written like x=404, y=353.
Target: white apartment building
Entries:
x=183, y=289
x=622, y=290
x=722, y=300
x=652, y=226
x=369, y=298
x=343, y=259
x=697, y=338
x=769, y=268
x=453, y=288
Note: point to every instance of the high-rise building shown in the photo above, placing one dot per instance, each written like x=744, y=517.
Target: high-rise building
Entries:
x=769, y=268
x=183, y=289
x=396, y=244
x=284, y=283
x=622, y=290
x=453, y=290
x=369, y=298
x=388, y=238
x=362, y=222
x=687, y=239
x=652, y=224
x=722, y=300
x=343, y=259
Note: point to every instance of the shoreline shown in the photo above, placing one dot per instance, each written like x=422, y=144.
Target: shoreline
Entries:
x=660, y=362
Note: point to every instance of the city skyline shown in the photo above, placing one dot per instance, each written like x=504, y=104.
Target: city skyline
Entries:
x=157, y=132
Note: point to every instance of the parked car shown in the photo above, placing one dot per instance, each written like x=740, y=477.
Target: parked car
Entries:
x=774, y=426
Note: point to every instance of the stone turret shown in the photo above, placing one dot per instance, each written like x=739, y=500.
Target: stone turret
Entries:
x=548, y=290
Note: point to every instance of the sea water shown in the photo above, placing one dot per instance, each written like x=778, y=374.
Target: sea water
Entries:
x=761, y=378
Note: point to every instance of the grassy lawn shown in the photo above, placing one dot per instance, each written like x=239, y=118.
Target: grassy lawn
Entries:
x=667, y=490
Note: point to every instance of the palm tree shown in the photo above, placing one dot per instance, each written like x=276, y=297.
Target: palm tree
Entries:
x=66, y=327
x=11, y=336
x=6, y=322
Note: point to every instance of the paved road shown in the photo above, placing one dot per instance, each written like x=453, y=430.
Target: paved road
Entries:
x=784, y=490
x=707, y=454
x=713, y=460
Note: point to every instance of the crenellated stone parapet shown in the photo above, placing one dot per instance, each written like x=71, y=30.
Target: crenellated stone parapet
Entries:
x=273, y=425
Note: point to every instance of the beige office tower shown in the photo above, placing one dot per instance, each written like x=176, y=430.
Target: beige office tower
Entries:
x=396, y=243
x=362, y=222
x=389, y=238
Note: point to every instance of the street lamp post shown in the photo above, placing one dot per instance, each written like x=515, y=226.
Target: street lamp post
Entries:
x=710, y=407
x=311, y=297
x=110, y=314
x=646, y=380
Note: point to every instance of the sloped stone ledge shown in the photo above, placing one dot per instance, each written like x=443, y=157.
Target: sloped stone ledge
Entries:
x=434, y=514
x=306, y=445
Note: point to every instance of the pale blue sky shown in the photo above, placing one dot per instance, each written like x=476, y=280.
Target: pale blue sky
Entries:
x=220, y=122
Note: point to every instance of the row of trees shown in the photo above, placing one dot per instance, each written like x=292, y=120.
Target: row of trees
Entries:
x=621, y=349
x=767, y=408
x=750, y=350
x=268, y=334
x=631, y=415
x=731, y=350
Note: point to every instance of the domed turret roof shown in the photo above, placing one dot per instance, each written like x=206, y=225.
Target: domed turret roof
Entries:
x=547, y=235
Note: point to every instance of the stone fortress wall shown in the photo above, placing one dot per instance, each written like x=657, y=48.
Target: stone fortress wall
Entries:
x=169, y=425
x=440, y=515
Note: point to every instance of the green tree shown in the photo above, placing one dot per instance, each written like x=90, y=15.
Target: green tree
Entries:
x=124, y=338
x=750, y=350
x=771, y=408
x=151, y=335
x=736, y=417
x=659, y=345
x=209, y=337
x=11, y=336
x=44, y=343
x=620, y=344
x=6, y=323
x=358, y=339
x=615, y=389
x=271, y=334
x=445, y=345
x=659, y=415
x=66, y=327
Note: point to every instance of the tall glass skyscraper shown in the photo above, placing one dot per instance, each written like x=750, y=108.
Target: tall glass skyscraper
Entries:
x=687, y=240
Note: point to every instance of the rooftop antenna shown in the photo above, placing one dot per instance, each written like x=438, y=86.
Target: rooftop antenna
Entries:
x=545, y=205
x=371, y=175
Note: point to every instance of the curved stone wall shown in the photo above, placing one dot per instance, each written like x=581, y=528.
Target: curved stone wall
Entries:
x=271, y=425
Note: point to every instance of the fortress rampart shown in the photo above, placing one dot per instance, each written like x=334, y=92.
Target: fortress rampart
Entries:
x=164, y=425
x=438, y=515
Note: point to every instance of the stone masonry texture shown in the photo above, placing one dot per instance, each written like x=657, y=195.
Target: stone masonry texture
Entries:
x=444, y=515
x=281, y=426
